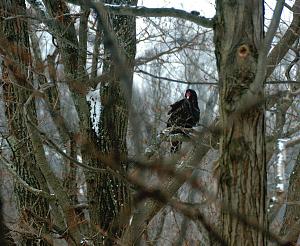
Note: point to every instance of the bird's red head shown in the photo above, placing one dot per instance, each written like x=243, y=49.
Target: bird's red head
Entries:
x=190, y=94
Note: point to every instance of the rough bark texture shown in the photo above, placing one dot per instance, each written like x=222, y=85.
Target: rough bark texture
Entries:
x=290, y=230
x=15, y=67
x=109, y=196
x=238, y=34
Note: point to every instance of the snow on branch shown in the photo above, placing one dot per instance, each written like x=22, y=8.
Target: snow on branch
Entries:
x=280, y=179
x=163, y=136
x=192, y=16
x=283, y=144
x=167, y=135
x=277, y=200
x=131, y=10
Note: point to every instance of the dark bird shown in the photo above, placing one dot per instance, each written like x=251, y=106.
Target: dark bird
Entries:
x=184, y=113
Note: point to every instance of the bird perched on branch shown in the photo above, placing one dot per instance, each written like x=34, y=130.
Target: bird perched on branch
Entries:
x=184, y=113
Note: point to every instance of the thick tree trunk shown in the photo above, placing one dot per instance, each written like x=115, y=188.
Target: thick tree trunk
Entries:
x=17, y=89
x=109, y=196
x=238, y=35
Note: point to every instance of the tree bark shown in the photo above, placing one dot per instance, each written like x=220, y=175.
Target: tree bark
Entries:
x=17, y=87
x=238, y=35
x=290, y=230
x=109, y=197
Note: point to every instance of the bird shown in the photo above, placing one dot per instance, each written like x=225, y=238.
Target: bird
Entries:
x=183, y=113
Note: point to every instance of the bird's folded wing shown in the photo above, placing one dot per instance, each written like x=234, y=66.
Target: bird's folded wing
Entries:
x=175, y=106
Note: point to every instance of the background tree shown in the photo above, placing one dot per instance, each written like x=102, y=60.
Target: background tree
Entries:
x=16, y=69
x=109, y=196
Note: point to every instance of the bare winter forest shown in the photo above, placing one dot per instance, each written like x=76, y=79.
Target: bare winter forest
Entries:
x=126, y=122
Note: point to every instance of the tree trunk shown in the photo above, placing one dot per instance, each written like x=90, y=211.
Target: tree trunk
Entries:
x=290, y=230
x=17, y=89
x=109, y=196
x=238, y=35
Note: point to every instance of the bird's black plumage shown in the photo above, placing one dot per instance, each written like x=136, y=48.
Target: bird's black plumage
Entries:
x=184, y=113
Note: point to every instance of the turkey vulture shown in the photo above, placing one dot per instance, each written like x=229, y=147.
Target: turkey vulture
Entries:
x=184, y=113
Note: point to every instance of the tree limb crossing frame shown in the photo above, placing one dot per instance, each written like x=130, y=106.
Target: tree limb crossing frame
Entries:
x=128, y=10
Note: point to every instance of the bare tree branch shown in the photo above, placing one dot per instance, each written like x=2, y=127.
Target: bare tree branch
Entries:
x=128, y=10
x=174, y=80
x=290, y=36
x=138, y=70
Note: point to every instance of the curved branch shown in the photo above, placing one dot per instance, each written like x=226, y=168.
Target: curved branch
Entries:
x=160, y=12
x=260, y=76
x=290, y=36
x=129, y=10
